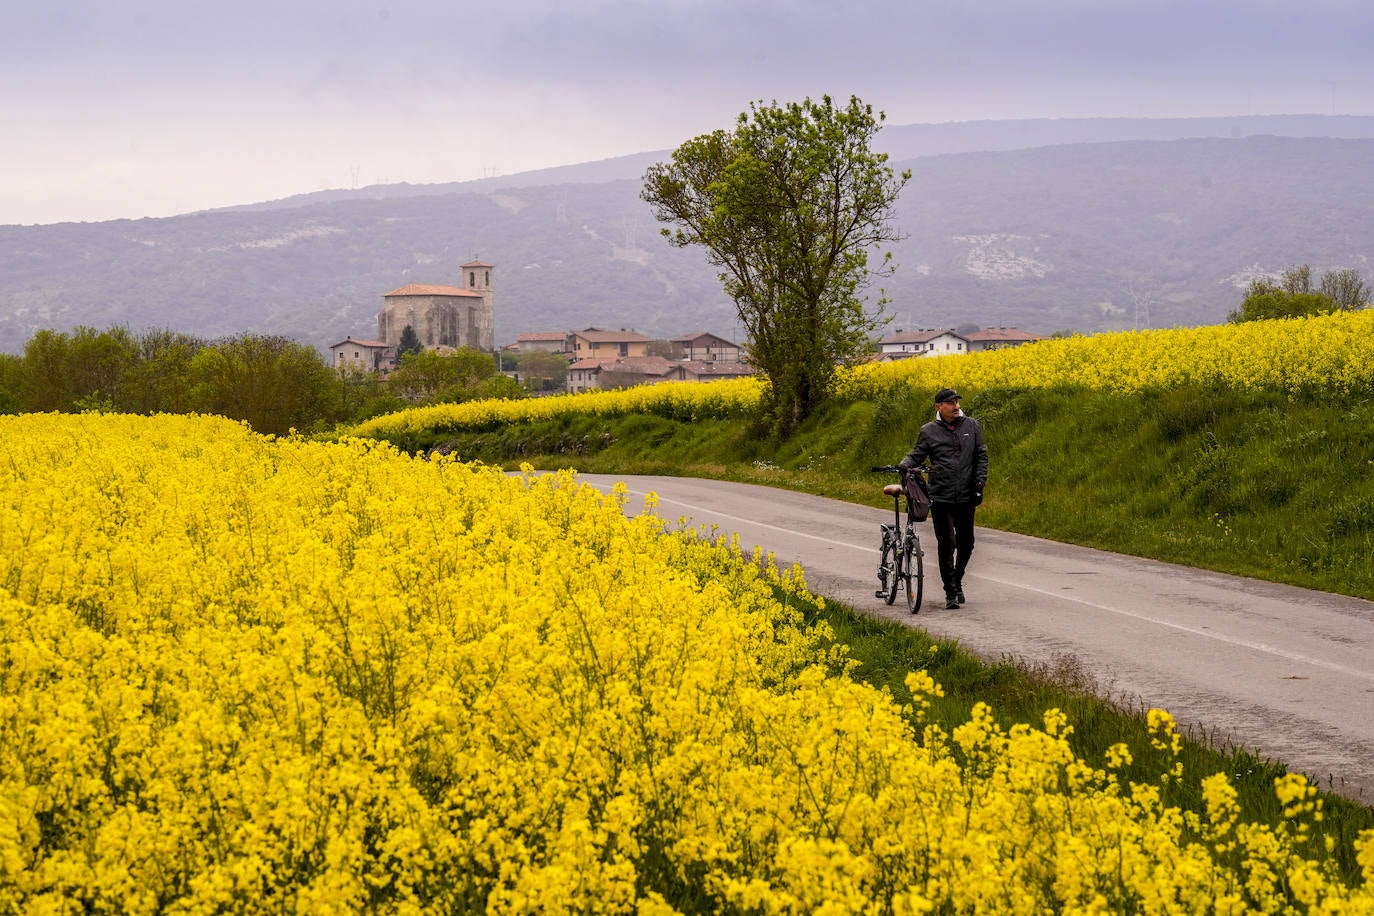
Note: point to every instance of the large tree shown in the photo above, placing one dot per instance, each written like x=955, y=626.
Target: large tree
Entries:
x=789, y=205
x=543, y=371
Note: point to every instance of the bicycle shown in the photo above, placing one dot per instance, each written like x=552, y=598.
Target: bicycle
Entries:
x=900, y=564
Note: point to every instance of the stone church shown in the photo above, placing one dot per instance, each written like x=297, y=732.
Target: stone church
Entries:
x=443, y=316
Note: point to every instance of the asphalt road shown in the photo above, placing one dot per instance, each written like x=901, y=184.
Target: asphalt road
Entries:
x=1285, y=672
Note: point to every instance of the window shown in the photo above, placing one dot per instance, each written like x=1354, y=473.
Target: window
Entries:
x=472, y=278
x=486, y=278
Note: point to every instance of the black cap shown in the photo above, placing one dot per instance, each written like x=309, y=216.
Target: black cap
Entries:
x=946, y=394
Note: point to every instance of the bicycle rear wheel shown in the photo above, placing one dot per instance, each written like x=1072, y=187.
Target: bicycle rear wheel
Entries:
x=913, y=573
x=888, y=571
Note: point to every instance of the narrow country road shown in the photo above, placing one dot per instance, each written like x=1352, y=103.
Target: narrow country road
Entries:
x=1286, y=672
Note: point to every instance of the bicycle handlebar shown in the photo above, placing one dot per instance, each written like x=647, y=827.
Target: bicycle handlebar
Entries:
x=892, y=468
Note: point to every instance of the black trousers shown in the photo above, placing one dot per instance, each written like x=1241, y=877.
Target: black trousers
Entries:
x=953, y=540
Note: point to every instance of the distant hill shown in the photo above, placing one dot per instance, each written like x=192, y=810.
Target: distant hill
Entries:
x=1088, y=225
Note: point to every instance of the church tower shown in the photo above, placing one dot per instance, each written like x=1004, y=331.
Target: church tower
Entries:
x=443, y=316
x=477, y=278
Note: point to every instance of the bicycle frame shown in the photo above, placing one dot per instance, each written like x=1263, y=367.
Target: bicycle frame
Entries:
x=900, y=564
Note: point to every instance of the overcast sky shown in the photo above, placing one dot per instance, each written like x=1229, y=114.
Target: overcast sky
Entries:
x=132, y=108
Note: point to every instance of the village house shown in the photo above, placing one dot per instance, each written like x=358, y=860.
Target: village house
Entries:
x=704, y=371
x=624, y=372
x=539, y=342
x=582, y=375
x=352, y=355
x=597, y=343
x=707, y=347
x=621, y=372
x=935, y=342
x=999, y=338
x=926, y=342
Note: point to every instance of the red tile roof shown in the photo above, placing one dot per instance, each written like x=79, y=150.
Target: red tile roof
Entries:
x=590, y=363
x=997, y=334
x=429, y=289
x=598, y=335
x=693, y=338
x=702, y=369
x=642, y=365
x=922, y=336
x=631, y=365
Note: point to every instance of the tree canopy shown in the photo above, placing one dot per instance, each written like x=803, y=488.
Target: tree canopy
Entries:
x=272, y=382
x=1346, y=288
x=543, y=371
x=789, y=205
x=431, y=376
x=1292, y=295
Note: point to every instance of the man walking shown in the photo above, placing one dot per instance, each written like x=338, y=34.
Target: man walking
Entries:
x=953, y=444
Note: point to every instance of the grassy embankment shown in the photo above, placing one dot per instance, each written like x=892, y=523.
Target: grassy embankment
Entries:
x=1252, y=483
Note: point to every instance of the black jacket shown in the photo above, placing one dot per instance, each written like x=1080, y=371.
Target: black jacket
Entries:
x=957, y=456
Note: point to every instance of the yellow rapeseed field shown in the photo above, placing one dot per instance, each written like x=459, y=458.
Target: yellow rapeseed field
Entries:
x=1332, y=354
x=245, y=674
x=681, y=400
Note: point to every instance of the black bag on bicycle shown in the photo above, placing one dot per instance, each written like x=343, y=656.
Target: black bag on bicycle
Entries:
x=917, y=497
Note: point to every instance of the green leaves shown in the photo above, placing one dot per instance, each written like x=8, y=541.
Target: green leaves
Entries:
x=788, y=205
x=1292, y=296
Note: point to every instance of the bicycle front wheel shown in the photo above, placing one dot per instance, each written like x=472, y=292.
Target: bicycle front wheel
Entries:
x=913, y=574
x=887, y=571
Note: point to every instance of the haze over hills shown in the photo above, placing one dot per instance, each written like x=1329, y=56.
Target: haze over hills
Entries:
x=1090, y=225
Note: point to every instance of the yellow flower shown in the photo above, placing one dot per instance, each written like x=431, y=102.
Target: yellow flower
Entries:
x=1118, y=756
x=264, y=675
